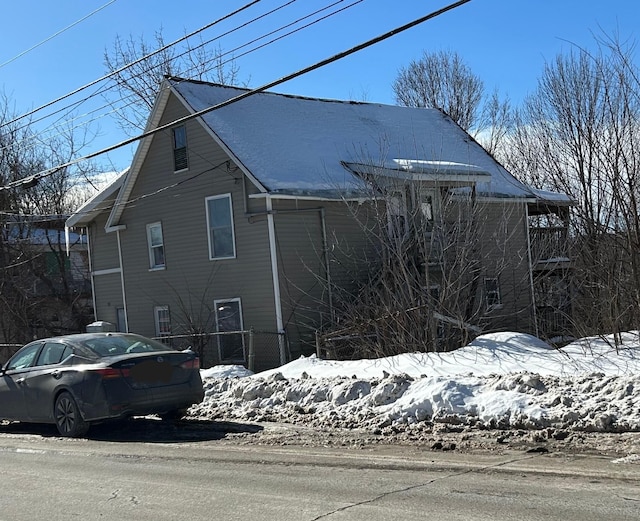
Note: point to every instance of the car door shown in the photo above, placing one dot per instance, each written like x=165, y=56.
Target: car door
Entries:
x=41, y=381
x=12, y=398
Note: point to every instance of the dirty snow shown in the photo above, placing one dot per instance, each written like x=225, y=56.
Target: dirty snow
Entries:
x=499, y=381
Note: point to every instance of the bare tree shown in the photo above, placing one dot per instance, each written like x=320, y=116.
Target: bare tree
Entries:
x=578, y=133
x=445, y=264
x=137, y=70
x=442, y=80
x=40, y=292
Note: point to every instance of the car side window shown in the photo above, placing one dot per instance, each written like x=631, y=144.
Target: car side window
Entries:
x=53, y=353
x=24, y=358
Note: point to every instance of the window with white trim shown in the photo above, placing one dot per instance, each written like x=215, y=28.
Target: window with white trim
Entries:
x=229, y=318
x=180, y=155
x=492, y=295
x=220, y=227
x=397, y=214
x=162, y=320
x=156, y=246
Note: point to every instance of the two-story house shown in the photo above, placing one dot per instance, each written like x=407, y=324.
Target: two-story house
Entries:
x=245, y=216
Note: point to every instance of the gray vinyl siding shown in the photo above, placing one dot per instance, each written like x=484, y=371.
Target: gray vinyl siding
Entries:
x=103, y=246
x=191, y=282
x=505, y=256
x=309, y=256
x=108, y=290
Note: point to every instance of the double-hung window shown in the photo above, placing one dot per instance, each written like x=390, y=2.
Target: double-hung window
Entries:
x=180, y=156
x=220, y=227
x=156, y=246
x=163, y=322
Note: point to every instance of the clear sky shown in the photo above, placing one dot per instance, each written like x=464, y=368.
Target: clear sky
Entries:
x=505, y=42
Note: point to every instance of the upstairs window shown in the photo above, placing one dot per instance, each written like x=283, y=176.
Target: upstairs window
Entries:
x=180, y=158
x=220, y=226
x=156, y=246
x=397, y=214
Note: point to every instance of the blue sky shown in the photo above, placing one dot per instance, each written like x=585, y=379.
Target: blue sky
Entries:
x=505, y=42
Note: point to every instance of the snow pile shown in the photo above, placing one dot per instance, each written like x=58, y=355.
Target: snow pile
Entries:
x=505, y=380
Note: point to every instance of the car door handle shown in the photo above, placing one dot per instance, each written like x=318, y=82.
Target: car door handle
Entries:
x=20, y=381
x=56, y=374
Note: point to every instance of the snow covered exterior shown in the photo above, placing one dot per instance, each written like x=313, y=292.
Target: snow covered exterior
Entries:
x=244, y=216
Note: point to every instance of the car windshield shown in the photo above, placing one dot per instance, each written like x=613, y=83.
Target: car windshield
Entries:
x=113, y=345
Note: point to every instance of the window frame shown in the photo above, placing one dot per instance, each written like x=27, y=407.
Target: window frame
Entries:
x=159, y=321
x=211, y=243
x=183, y=149
x=494, y=302
x=397, y=215
x=221, y=338
x=151, y=247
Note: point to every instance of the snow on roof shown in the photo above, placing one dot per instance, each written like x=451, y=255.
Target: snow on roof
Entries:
x=296, y=145
x=94, y=205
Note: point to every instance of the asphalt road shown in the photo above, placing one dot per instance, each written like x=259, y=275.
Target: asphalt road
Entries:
x=195, y=473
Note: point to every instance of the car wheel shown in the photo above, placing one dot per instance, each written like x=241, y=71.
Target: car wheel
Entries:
x=173, y=415
x=69, y=421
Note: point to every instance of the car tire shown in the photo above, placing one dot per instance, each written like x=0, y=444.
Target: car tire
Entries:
x=173, y=415
x=66, y=413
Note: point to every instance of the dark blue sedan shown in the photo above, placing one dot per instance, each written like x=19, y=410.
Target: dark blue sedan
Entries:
x=76, y=380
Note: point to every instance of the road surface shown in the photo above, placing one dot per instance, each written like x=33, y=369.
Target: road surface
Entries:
x=200, y=475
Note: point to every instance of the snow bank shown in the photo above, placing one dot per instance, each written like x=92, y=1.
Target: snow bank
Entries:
x=505, y=380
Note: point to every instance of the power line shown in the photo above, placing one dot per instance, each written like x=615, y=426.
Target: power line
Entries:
x=56, y=34
x=131, y=97
x=124, y=67
x=50, y=171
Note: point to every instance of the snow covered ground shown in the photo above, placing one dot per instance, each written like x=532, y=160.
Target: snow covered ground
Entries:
x=499, y=381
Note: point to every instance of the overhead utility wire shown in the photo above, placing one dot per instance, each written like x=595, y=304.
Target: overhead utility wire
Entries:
x=56, y=34
x=132, y=97
x=124, y=67
x=285, y=35
x=50, y=171
x=102, y=90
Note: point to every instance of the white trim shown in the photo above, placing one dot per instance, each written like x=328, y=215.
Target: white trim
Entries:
x=108, y=271
x=151, y=247
x=111, y=229
x=156, y=320
x=90, y=208
x=233, y=231
x=91, y=275
x=124, y=293
x=276, y=278
x=293, y=197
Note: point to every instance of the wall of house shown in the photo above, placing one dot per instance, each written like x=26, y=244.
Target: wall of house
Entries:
x=106, y=281
x=504, y=253
x=320, y=246
x=191, y=282
x=104, y=243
